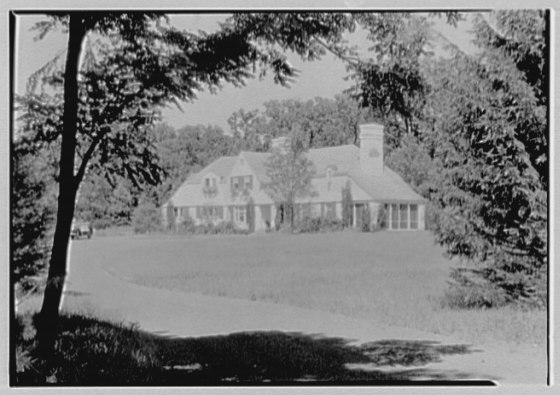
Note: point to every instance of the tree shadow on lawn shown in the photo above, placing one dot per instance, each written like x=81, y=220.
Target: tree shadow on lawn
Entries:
x=280, y=358
x=91, y=352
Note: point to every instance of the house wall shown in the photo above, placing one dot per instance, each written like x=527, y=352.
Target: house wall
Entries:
x=338, y=210
x=421, y=216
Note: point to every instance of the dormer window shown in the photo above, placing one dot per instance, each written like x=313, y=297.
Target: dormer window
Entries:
x=241, y=183
x=210, y=186
x=329, y=173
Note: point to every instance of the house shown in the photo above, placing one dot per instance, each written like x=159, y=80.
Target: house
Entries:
x=222, y=190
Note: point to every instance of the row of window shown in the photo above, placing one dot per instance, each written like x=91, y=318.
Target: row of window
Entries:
x=403, y=216
x=216, y=213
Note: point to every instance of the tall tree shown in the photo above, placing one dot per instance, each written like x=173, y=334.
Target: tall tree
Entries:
x=490, y=154
x=249, y=129
x=322, y=122
x=391, y=83
x=290, y=173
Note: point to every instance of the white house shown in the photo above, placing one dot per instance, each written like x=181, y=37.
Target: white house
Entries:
x=222, y=190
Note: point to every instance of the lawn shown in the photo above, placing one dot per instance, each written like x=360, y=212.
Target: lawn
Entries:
x=395, y=278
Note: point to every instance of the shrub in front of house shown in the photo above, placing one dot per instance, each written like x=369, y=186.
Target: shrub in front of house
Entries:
x=146, y=218
x=366, y=219
x=188, y=226
x=382, y=217
x=318, y=224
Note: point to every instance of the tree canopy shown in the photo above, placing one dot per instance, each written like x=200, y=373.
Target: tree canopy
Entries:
x=290, y=173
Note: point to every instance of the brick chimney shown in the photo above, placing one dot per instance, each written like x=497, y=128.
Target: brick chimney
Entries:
x=371, y=148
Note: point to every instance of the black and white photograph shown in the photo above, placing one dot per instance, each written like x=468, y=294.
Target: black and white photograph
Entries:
x=349, y=197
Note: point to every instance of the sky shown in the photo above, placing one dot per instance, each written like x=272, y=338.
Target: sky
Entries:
x=323, y=78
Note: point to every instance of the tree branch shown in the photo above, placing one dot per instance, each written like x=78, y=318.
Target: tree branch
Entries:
x=354, y=61
x=85, y=160
x=493, y=27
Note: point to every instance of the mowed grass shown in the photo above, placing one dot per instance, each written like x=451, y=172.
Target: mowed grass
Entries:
x=395, y=278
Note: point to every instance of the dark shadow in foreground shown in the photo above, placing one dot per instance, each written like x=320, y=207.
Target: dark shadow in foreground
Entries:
x=90, y=352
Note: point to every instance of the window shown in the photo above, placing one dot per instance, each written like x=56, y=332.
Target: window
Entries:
x=241, y=182
x=249, y=182
x=413, y=216
x=210, y=187
x=240, y=213
x=210, y=213
x=330, y=210
x=403, y=214
x=394, y=216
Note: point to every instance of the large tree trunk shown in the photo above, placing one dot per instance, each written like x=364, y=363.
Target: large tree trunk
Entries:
x=48, y=318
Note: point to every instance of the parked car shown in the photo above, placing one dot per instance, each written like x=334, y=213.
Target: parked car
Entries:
x=81, y=229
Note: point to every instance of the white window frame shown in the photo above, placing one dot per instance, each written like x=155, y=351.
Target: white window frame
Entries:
x=240, y=214
x=399, y=218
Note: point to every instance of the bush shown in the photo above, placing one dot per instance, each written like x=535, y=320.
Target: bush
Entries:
x=472, y=297
x=187, y=225
x=146, y=218
x=347, y=206
x=318, y=224
x=366, y=219
x=467, y=291
x=102, y=223
x=382, y=217
x=87, y=352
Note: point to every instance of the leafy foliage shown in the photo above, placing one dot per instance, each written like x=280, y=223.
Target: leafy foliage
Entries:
x=290, y=173
x=347, y=206
x=489, y=152
x=320, y=122
x=391, y=83
x=32, y=207
x=318, y=224
x=146, y=218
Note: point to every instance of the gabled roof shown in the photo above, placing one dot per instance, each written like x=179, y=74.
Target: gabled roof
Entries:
x=385, y=186
x=257, y=162
x=220, y=167
x=342, y=159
